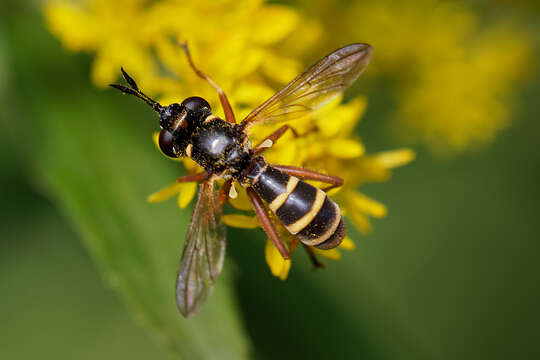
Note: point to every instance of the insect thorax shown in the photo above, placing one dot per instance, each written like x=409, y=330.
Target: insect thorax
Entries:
x=219, y=147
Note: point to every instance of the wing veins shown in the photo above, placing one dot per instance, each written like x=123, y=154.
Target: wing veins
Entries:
x=204, y=250
x=332, y=63
x=304, y=88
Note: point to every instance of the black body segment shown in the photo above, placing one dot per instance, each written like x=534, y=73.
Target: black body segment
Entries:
x=217, y=147
x=323, y=226
x=210, y=143
x=336, y=238
x=271, y=183
x=298, y=203
x=255, y=168
x=303, y=209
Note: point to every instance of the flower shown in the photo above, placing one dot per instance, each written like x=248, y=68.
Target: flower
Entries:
x=143, y=41
x=474, y=105
x=454, y=68
x=329, y=146
x=245, y=60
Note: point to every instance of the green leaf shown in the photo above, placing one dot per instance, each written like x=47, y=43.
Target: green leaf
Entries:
x=100, y=172
x=92, y=154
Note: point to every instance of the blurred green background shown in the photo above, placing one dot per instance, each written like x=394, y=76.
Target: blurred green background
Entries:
x=451, y=272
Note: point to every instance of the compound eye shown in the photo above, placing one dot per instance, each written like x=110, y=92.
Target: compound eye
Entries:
x=166, y=143
x=196, y=104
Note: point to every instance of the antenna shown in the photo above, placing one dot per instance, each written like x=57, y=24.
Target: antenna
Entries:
x=133, y=89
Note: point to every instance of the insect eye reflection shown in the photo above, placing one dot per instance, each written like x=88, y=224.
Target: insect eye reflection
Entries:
x=166, y=143
x=197, y=105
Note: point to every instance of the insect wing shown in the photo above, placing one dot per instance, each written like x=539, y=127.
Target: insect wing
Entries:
x=318, y=85
x=203, y=255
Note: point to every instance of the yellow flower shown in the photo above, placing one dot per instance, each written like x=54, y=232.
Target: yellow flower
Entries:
x=331, y=146
x=454, y=69
x=465, y=102
x=278, y=266
x=239, y=47
x=232, y=40
x=328, y=144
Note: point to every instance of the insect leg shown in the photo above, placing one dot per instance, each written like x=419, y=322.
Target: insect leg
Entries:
x=266, y=223
x=193, y=177
x=308, y=174
x=272, y=138
x=227, y=109
x=313, y=258
x=294, y=243
x=224, y=193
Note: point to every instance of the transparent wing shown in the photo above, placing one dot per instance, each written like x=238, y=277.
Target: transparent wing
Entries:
x=203, y=255
x=315, y=87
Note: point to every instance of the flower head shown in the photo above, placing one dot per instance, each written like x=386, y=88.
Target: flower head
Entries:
x=238, y=48
x=454, y=68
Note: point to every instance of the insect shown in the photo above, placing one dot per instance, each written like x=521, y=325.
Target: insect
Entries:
x=222, y=148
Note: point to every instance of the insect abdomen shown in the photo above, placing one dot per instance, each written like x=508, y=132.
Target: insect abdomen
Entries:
x=303, y=209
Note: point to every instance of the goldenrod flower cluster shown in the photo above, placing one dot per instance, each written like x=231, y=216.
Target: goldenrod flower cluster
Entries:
x=454, y=69
x=241, y=44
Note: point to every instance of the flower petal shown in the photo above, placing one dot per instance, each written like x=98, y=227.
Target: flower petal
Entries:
x=272, y=23
x=155, y=139
x=346, y=148
x=332, y=254
x=342, y=119
x=72, y=25
x=395, y=158
x=280, y=68
x=190, y=165
x=347, y=244
x=240, y=221
x=361, y=222
x=241, y=202
x=283, y=153
x=165, y=193
x=366, y=205
x=252, y=93
x=334, y=190
x=187, y=192
x=278, y=266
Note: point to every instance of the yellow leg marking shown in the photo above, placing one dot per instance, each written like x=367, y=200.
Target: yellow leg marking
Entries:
x=233, y=194
x=280, y=199
x=210, y=118
x=189, y=149
x=304, y=221
x=266, y=144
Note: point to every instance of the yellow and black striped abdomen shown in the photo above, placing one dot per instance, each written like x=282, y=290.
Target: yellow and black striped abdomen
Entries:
x=303, y=209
